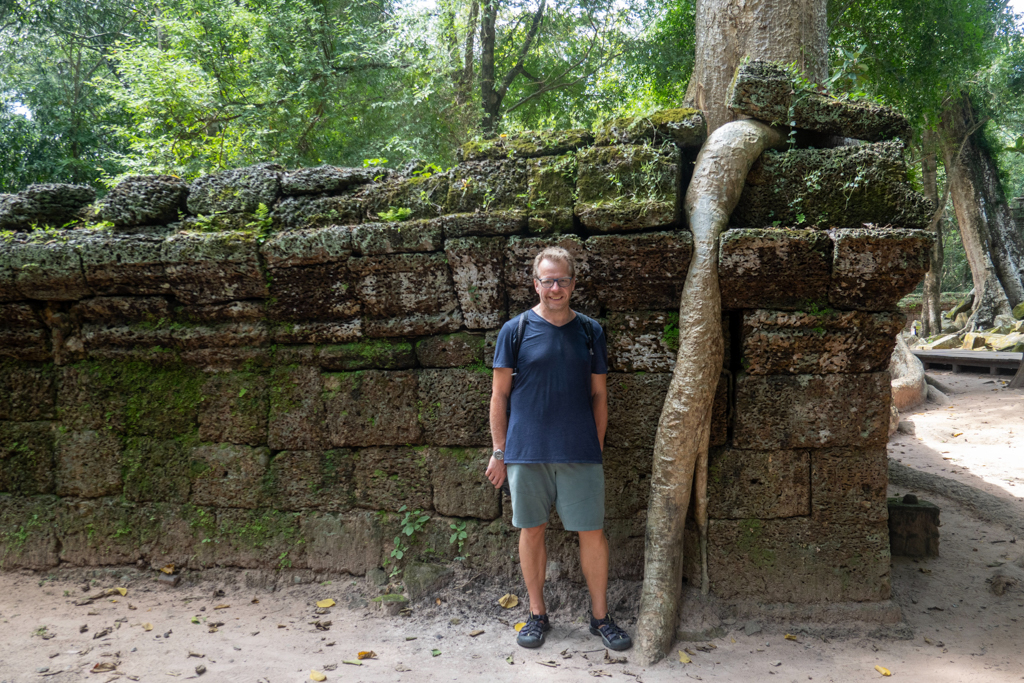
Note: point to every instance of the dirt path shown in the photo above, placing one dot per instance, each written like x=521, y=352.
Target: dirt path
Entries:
x=954, y=628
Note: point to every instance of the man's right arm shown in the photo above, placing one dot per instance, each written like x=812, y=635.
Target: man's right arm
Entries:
x=501, y=389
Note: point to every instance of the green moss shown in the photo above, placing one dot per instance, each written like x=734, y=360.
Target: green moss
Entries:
x=670, y=334
x=750, y=542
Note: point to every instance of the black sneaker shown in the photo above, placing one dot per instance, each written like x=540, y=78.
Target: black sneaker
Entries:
x=532, y=634
x=613, y=637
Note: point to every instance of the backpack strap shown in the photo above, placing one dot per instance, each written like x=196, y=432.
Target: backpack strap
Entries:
x=588, y=329
x=517, y=341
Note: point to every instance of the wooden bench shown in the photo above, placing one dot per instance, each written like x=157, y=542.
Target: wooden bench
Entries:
x=979, y=361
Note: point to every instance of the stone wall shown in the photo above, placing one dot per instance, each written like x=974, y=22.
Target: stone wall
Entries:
x=256, y=370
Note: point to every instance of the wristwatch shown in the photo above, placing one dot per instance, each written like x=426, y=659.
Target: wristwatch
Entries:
x=498, y=454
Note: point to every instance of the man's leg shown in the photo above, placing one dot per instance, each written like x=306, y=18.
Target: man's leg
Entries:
x=594, y=562
x=533, y=558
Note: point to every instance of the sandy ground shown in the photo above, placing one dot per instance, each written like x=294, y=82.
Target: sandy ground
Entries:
x=954, y=628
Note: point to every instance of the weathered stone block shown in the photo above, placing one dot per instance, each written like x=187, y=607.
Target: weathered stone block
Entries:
x=43, y=204
x=519, y=255
x=23, y=336
x=769, y=92
x=227, y=475
x=97, y=532
x=633, y=272
x=163, y=334
x=8, y=292
x=156, y=470
x=348, y=543
x=28, y=538
x=627, y=482
x=317, y=292
x=492, y=185
x=89, y=397
x=758, y=484
x=206, y=268
x=403, y=284
x=477, y=265
x=634, y=408
x=642, y=341
x=235, y=408
x=848, y=485
x=841, y=187
x=132, y=266
x=913, y=528
x=224, y=360
x=720, y=411
x=798, y=560
x=239, y=190
x=873, y=269
x=293, y=213
x=310, y=480
x=297, y=417
x=160, y=401
x=414, y=325
x=628, y=187
x=455, y=406
x=811, y=411
x=398, y=238
x=26, y=392
x=371, y=408
x=820, y=342
x=483, y=223
x=26, y=457
x=460, y=487
x=231, y=311
x=319, y=332
x=769, y=268
x=108, y=309
x=145, y=200
x=425, y=195
x=308, y=247
x=88, y=464
x=258, y=539
x=685, y=127
x=388, y=478
x=551, y=192
x=371, y=354
x=325, y=179
x=50, y=271
x=526, y=145
x=451, y=350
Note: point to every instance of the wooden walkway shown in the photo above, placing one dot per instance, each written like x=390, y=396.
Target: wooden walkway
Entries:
x=977, y=361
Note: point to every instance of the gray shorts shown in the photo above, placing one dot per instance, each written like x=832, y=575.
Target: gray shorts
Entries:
x=575, y=489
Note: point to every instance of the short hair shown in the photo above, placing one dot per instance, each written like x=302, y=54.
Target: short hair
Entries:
x=557, y=254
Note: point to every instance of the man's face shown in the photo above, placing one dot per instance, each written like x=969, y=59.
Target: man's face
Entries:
x=556, y=298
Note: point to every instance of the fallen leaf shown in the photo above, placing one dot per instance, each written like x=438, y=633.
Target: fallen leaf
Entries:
x=690, y=652
x=367, y=654
x=566, y=654
x=322, y=625
x=519, y=627
x=435, y=653
x=195, y=620
x=401, y=667
x=222, y=606
x=613, y=660
x=254, y=601
x=597, y=673
x=100, y=667
x=684, y=658
x=122, y=591
x=353, y=662
x=790, y=636
x=438, y=601
x=147, y=626
x=508, y=600
x=105, y=632
x=167, y=569
x=478, y=632
x=882, y=670
x=197, y=655
x=550, y=663
x=509, y=659
x=326, y=603
x=954, y=434
x=315, y=675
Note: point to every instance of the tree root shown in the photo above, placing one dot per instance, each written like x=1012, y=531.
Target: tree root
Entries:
x=684, y=429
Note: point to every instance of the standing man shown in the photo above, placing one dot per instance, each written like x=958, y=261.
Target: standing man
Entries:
x=547, y=426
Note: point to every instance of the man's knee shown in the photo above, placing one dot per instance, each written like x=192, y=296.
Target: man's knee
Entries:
x=595, y=536
x=534, y=532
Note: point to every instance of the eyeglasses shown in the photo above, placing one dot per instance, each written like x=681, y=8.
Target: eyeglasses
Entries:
x=563, y=282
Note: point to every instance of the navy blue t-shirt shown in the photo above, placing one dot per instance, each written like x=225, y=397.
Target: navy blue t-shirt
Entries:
x=552, y=417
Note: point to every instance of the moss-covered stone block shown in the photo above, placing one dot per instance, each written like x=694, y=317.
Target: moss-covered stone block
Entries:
x=685, y=127
x=492, y=185
x=308, y=293
x=770, y=92
x=551, y=194
x=476, y=223
x=773, y=268
x=798, y=560
x=841, y=187
x=848, y=486
x=811, y=411
x=454, y=406
x=388, y=478
x=8, y=292
x=44, y=204
x=26, y=458
x=526, y=145
x=227, y=475
x=89, y=397
x=636, y=272
x=27, y=391
x=872, y=269
x=160, y=401
x=402, y=237
x=235, y=408
x=23, y=336
x=349, y=543
x=371, y=408
x=211, y=267
x=413, y=325
x=519, y=255
x=145, y=200
x=132, y=266
x=239, y=190
x=424, y=196
x=88, y=463
x=310, y=480
x=642, y=341
x=307, y=247
x=317, y=332
x=451, y=350
x=819, y=341
x=325, y=179
x=460, y=487
x=398, y=285
x=634, y=408
x=745, y=484
x=372, y=354
x=623, y=188
x=156, y=470
x=477, y=265
x=28, y=538
x=50, y=271
x=98, y=532
x=155, y=310
x=298, y=421
x=299, y=213
x=252, y=539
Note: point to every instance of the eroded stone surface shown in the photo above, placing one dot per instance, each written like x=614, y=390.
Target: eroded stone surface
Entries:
x=636, y=272
x=770, y=268
x=685, y=127
x=398, y=238
x=388, y=478
x=848, y=485
x=43, y=204
x=642, y=341
x=308, y=247
x=156, y=470
x=297, y=417
x=23, y=335
x=370, y=354
x=477, y=265
x=451, y=350
x=628, y=187
x=132, y=266
x=873, y=269
x=634, y=408
x=745, y=484
x=88, y=464
x=27, y=392
x=28, y=538
x=483, y=223
x=213, y=267
x=348, y=543
x=315, y=292
x=145, y=200
x=526, y=145
x=227, y=475
x=240, y=190
x=460, y=488
x=51, y=271
x=371, y=408
x=310, y=480
x=402, y=284
x=325, y=179
x=454, y=406
x=26, y=458
x=235, y=409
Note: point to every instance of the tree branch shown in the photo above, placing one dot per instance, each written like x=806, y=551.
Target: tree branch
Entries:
x=506, y=82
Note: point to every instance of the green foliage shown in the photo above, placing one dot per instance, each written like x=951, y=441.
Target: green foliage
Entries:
x=395, y=215
x=459, y=534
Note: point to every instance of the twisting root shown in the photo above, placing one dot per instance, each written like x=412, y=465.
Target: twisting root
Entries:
x=685, y=426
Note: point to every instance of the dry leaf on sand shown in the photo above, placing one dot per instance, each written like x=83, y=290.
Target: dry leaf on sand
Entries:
x=326, y=603
x=508, y=600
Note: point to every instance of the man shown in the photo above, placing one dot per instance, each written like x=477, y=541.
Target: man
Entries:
x=548, y=431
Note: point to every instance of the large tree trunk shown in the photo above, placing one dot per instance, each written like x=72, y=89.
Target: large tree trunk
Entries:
x=994, y=247
x=685, y=426
x=492, y=92
x=931, y=305
x=729, y=30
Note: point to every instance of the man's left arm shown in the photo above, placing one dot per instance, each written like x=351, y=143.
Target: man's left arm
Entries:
x=599, y=402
